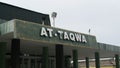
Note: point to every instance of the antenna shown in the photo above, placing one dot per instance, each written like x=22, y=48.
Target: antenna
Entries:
x=54, y=15
x=89, y=31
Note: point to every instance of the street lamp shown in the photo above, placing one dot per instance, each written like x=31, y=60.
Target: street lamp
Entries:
x=54, y=15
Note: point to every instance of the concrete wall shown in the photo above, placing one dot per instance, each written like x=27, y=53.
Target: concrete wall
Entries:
x=9, y=12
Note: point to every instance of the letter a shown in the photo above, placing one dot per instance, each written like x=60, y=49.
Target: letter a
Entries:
x=43, y=32
x=84, y=39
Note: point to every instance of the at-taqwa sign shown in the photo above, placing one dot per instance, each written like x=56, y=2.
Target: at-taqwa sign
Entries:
x=62, y=35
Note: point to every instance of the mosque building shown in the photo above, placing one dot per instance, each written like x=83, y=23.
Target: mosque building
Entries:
x=27, y=40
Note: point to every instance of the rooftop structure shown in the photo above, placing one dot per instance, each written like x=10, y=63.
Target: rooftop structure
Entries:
x=9, y=12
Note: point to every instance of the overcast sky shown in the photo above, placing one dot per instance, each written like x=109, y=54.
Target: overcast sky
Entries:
x=101, y=16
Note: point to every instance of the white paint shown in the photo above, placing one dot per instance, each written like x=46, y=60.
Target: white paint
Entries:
x=72, y=36
x=60, y=34
x=63, y=35
x=43, y=32
x=66, y=37
x=50, y=32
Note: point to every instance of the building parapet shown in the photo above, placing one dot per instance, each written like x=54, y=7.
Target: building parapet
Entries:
x=37, y=32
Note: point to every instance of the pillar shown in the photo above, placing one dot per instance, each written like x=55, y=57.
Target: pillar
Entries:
x=97, y=60
x=67, y=62
x=36, y=63
x=117, y=60
x=23, y=62
x=52, y=64
x=45, y=57
x=2, y=54
x=15, y=53
x=87, y=62
x=75, y=59
x=59, y=56
x=29, y=62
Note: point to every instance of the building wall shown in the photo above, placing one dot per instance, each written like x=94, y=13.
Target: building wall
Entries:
x=103, y=64
x=9, y=12
x=2, y=21
x=100, y=67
